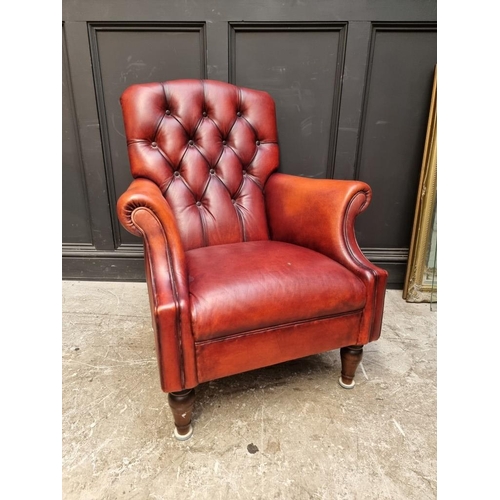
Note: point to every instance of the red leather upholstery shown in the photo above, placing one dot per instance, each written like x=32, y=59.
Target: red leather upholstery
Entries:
x=319, y=214
x=245, y=267
x=265, y=284
x=210, y=147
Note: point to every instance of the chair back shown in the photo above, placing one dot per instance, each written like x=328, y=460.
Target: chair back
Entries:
x=210, y=147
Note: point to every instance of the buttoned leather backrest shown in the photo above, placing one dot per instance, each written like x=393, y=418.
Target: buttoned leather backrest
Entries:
x=210, y=147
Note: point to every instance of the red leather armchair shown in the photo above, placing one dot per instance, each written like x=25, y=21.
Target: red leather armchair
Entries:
x=245, y=267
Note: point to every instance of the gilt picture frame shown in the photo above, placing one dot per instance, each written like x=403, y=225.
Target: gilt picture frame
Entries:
x=421, y=275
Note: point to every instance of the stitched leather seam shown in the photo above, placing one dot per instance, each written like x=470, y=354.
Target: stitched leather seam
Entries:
x=224, y=184
x=256, y=181
x=237, y=156
x=205, y=187
x=276, y=327
x=207, y=211
x=164, y=187
x=188, y=187
x=253, y=158
x=353, y=256
x=240, y=187
x=202, y=155
x=175, y=293
x=182, y=158
x=238, y=210
x=231, y=129
x=215, y=124
x=242, y=224
x=180, y=124
x=175, y=117
x=252, y=127
x=196, y=130
x=214, y=166
x=158, y=127
x=163, y=116
x=346, y=232
x=165, y=157
x=218, y=177
x=239, y=107
x=204, y=229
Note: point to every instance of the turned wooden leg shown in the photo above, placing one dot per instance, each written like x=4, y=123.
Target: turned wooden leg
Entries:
x=181, y=404
x=351, y=357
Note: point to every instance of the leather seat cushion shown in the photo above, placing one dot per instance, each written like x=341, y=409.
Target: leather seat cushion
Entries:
x=242, y=287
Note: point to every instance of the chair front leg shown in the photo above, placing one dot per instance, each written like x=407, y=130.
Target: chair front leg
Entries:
x=181, y=403
x=350, y=357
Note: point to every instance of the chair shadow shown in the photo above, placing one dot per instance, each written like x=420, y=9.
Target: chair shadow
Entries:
x=314, y=367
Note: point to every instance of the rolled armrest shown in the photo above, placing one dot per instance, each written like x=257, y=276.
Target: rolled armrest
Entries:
x=319, y=214
x=146, y=194
x=143, y=211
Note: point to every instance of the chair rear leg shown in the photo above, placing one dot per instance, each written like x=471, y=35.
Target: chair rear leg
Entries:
x=351, y=357
x=181, y=403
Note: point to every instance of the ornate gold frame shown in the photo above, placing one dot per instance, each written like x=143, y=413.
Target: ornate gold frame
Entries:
x=418, y=288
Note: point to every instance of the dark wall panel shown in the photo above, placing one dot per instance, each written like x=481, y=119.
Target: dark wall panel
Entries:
x=396, y=109
x=301, y=67
x=75, y=214
x=351, y=80
x=124, y=54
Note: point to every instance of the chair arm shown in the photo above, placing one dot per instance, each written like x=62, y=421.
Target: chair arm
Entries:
x=143, y=211
x=319, y=214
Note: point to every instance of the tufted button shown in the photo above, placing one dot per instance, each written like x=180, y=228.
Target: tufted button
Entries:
x=244, y=172
x=167, y=112
x=238, y=113
x=198, y=203
x=204, y=113
x=177, y=174
x=212, y=171
x=191, y=142
x=233, y=201
x=257, y=142
x=153, y=144
x=224, y=143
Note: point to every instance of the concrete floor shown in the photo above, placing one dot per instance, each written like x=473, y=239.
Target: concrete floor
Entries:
x=315, y=440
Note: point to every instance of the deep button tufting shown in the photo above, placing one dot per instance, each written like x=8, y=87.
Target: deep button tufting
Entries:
x=198, y=203
x=212, y=171
x=257, y=142
x=222, y=141
x=233, y=201
x=153, y=144
x=191, y=142
x=244, y=172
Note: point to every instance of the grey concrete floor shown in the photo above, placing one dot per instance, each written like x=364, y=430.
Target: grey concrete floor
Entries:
x=315, y=440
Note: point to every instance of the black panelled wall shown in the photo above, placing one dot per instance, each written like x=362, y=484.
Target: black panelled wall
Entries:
x=351, y=80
